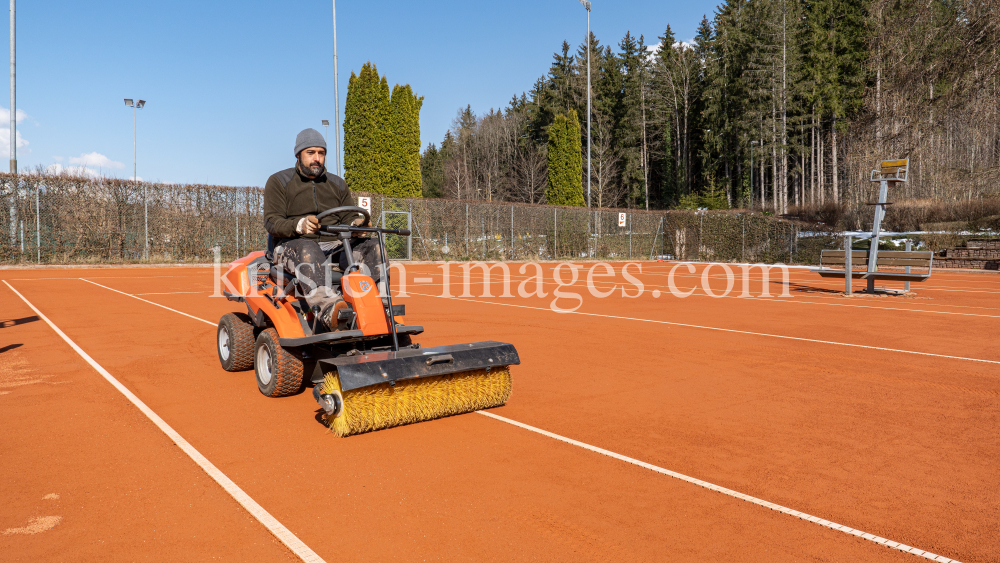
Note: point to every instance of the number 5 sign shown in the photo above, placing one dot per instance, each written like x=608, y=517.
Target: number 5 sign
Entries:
x=621, y=219
x=365, y=203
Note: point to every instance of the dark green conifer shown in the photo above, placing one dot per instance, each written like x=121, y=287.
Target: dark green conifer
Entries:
x=565, y=162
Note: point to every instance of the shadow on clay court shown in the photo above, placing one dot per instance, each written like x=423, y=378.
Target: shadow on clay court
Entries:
x=10, y=347
x=803, y=288
x=14, y=322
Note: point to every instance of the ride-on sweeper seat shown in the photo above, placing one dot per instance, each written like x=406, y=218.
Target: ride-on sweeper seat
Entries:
x=283, y=276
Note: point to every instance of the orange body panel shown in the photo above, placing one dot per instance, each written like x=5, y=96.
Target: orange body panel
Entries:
x=360, y=291
x=239, y=277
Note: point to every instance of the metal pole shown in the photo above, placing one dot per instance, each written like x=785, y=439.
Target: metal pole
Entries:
x=848, y=266
x=588, y=106
x=555, y=233
x=883, y=192
x=743, y=248
x=906, y=284
x=38, y=223
x=511, y=232
x=145, y=192
x=336, y=93
x=751, y=175
x=468, y=250
x=629, y=236
x=701, y=228
x=13, y=96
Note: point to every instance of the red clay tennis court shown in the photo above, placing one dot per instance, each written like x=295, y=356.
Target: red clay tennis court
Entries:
x=807, y=427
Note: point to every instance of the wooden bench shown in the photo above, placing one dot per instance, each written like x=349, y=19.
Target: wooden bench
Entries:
x=833, y=264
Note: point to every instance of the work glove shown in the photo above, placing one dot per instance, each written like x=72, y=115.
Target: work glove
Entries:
x=307, y=225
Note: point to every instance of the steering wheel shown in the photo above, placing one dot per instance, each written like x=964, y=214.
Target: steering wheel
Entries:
x=361, y=210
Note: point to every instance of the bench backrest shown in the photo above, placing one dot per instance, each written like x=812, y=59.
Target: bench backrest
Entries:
x=887, y=258
x=893, y=170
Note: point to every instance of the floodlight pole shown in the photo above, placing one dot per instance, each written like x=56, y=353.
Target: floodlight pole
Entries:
x=13, y=91
x=336, y=93
x=135, y=176
x=586, y=4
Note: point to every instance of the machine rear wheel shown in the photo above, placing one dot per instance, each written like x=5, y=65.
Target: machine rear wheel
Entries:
x=278, y=372
x=234, y=342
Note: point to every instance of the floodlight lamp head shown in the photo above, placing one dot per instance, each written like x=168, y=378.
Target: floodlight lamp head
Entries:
x=128, y=102
x=586, y=4
x=326, y=123
x=140, y=103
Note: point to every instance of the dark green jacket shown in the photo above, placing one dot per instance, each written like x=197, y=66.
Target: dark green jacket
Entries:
x=290, y=196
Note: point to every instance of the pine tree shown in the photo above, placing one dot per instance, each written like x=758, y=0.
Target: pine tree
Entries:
x=664, y=102
x=404, y=161
x=628, y=133
x=565, y=162
x=432, y=170
x=367, y=132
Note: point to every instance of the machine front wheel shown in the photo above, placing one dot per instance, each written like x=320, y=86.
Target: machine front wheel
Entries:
x=234, y=342
x=278, y=373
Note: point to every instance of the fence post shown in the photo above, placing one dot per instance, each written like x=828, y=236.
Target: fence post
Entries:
x=468, y=249
x=237, y=236
x=629, y=236
x=555, y=233
x=511, y=232
x=13, y=220
x=701, y=229
x=743, y=248
x=145, y=215
x=38, y=223
x=906, y=284
x=791, y=241
x=597, y=231
x=848, y=266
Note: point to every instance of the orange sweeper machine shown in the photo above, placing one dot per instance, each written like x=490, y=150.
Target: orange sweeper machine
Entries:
x=367, y=374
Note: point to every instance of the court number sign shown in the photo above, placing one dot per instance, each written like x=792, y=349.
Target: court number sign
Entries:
x=365, y=203
x=621, y=219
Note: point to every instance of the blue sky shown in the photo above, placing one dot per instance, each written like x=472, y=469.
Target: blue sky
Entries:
x=229, y=84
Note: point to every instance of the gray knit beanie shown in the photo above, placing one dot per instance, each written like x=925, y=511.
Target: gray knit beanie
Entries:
x=308, y=138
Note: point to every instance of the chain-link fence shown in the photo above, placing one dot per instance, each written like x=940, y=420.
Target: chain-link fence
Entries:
x=63, y=220
x=58, y=220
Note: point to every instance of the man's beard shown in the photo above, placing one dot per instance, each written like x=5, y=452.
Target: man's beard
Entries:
x=312, y=171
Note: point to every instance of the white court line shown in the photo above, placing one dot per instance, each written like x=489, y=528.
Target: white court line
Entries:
x=699, y=291
x=732, y=330
x=729, y=492
x=171, y=292
x=98, y=278
x=710, y=486
x=257, y=511
x=148, y=301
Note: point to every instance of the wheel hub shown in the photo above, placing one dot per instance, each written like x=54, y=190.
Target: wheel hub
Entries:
x=224, y=344
x=264, y=365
